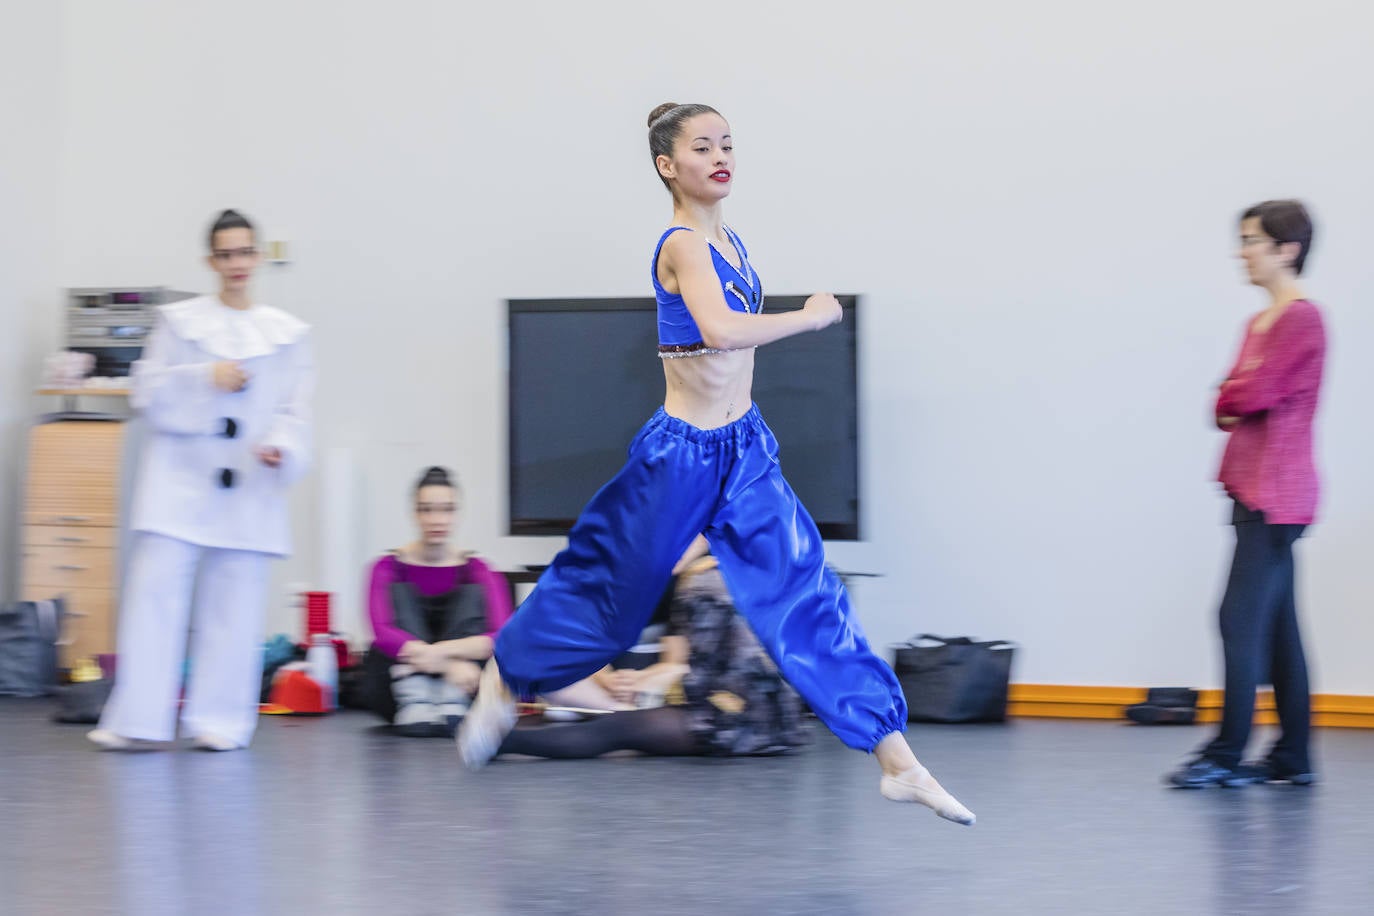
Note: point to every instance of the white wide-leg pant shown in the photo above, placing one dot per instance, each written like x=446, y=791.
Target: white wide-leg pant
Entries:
x=226, y=642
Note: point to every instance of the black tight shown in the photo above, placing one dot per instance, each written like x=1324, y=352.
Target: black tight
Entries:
x=661, y=732
x=1260, y=640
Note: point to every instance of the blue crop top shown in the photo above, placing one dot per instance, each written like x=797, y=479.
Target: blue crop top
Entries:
x=678, y=334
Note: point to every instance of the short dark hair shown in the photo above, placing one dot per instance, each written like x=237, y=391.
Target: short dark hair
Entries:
x=1285, y=221
x=228, y=219
x=665, y=124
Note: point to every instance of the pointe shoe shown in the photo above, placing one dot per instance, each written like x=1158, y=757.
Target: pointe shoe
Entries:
x=917, y=785
x=488, y=721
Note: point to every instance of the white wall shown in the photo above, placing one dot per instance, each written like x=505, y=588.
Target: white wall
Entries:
x=1038, y=203
x=30, y=52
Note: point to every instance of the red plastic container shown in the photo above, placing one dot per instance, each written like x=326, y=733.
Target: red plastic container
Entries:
x=316, y=614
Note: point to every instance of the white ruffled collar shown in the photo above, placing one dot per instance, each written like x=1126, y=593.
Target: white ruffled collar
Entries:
x=230, y=333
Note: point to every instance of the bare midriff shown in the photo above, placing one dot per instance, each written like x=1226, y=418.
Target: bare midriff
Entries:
x=709, y=390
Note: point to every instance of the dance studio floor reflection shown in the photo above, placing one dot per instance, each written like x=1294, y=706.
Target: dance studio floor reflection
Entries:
x=331, y=816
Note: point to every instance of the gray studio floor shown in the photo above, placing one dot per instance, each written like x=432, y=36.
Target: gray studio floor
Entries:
x=330, y=816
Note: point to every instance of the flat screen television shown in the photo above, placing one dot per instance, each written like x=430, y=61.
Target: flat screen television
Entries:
x=584, y=376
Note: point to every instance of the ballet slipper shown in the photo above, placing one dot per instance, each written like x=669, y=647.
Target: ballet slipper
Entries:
x=917, y=785
x=107, y=740
x=489, y=720
x=208, y=742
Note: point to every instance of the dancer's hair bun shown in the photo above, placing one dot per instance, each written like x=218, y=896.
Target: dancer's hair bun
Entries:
x=435, y=477
x=660, y=111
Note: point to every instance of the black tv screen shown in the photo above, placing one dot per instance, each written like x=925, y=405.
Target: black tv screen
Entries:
x=585, y=375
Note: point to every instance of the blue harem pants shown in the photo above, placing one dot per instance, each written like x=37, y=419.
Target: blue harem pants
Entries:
x=596, y=597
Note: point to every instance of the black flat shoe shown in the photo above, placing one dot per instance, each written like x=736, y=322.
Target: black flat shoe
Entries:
x=1267, y=771
x=1202, y=772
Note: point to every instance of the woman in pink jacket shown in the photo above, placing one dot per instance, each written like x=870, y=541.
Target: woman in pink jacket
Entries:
x=1266, y=404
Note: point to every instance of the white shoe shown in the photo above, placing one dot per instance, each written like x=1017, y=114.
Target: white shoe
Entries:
x=452, y=702
x=208, y=742
x=488, y=722
x=107, y=740
x=417, y=719
x=917, y=785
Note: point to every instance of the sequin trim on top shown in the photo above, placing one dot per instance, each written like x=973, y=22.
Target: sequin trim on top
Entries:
x=678, y=351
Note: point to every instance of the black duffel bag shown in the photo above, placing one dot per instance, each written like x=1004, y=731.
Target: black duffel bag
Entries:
x=954, y=679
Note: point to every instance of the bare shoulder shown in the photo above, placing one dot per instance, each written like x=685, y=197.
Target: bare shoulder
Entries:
x=684, y=247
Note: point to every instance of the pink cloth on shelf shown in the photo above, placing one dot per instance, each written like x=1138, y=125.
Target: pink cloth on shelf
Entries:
x=1272, y=389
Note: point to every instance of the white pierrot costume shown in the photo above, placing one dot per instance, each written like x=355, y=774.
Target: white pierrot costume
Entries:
x=201, y=530
x=180, y=490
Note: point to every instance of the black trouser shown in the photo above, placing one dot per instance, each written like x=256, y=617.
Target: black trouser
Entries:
x=663, y=731
x=1260, y=640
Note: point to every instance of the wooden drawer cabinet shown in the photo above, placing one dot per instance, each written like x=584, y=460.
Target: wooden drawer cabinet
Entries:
x=70, y=533
x=68, y=567
x=69, y=536
x=102, y=510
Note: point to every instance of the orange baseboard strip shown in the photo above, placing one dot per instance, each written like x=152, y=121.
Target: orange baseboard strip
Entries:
x=1056, y=701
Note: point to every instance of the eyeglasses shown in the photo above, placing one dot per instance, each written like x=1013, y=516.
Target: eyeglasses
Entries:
x=225, y=255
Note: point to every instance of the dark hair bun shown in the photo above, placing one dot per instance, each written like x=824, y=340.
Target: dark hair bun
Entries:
x=435, y=477
x=229, y=219
x=660, y=111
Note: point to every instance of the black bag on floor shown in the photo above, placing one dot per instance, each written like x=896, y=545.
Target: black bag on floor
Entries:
x=954, y=679
x=371, y=689
x=358, y=684
x=28, y=647
x=1165, y=706
x=82, y=702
